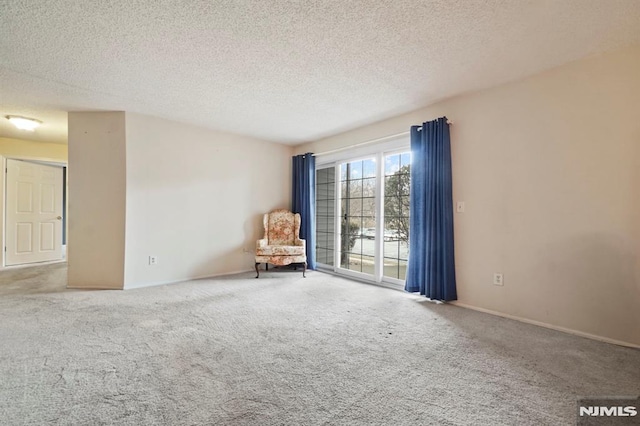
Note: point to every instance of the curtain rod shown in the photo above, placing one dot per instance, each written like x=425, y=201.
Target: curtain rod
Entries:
x=384, y=138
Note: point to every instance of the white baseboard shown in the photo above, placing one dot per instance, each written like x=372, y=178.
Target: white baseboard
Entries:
x=547, y=325
x=201, y=277
x=92, y=288
x=153, y=284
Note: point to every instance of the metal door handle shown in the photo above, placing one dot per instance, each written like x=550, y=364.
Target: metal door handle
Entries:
x=59, y=217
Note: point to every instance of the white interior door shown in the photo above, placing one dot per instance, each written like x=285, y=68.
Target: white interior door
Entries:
x=33, y=213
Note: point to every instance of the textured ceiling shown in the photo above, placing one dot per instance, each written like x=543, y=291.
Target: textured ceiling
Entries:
x=285, y=71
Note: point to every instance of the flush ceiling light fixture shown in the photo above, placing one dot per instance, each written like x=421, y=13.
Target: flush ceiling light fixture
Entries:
x=24, y=123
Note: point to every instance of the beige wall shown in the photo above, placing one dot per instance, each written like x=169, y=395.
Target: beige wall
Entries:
x=549, y=168
x=141, y=186
x=97, y=189
x=20, y=148
x=195, y=199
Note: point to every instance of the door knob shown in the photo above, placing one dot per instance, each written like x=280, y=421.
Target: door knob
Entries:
x=59, y=217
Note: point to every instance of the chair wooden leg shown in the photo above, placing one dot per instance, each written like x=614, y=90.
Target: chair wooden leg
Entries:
x=266, y=266
x=257, y=270
x=304, y=270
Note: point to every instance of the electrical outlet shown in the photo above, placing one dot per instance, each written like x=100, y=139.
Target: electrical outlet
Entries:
x=498, y=279
x=460, y=207
x=153, y=260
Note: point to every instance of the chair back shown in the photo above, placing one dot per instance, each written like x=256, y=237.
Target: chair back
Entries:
x=281, y=227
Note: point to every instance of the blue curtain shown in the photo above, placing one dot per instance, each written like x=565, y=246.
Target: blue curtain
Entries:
x=304, y=201
x=431, y=268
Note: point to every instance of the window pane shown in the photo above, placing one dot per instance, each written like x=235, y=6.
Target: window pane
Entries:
x=405, y=159
x=368, y=207
x=369, y=226
x=404, y=206
x=404, y=251
x=353, y=209
x=391, y=249
x=330, y=220
x=325, y=236
x=369, y=187
x=355, y=170
x=331, y=175
x=369, y=168
x=368, y=264
x=390, y=225
x=391, y=164
x=404, y=187
x=321, y=255
x=390, y=268
x=322, y=191
x=402, y=270
x=330, y=254
x=355, y=188
x=344, y=260
x=391, y=188
x=357, y=245
x=396, y=214
x=321, y=176
x=355, y=262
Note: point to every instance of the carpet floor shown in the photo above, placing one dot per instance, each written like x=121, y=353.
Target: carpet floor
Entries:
x=283, y=350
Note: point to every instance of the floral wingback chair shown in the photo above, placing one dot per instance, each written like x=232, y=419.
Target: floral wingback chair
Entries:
x=281, y=244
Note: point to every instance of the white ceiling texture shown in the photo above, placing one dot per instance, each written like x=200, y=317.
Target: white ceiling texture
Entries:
x=283, y=70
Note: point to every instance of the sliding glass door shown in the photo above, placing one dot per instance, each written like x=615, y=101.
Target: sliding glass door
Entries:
x=325, y=215
x=362, y=216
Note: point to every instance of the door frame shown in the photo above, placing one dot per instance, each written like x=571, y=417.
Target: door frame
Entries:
x=379, y=151
x=3, y=200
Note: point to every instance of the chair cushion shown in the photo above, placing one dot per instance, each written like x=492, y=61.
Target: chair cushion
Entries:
x=281, y=260
x=272, y=250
